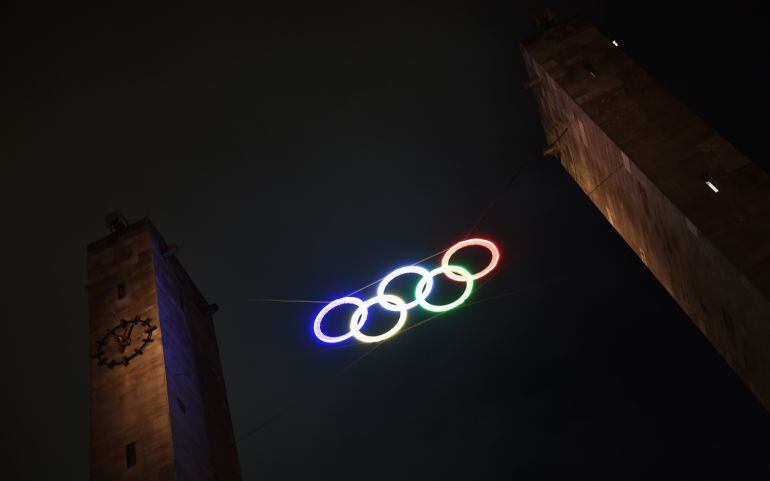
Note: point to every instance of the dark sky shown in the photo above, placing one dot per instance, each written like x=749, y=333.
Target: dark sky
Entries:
x=305, y=150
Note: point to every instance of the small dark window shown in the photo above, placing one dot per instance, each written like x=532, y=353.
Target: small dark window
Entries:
x=121, y=290
x=130, y=454
x=181, y=302
x=181, y=405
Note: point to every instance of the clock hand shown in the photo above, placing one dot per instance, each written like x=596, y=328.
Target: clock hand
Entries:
x=120, y=338
x=127, y=341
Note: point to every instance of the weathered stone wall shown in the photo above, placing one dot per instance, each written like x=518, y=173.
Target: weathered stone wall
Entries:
x=204, y=445
x=128, y=403
x=643, y=158
x=171, y=401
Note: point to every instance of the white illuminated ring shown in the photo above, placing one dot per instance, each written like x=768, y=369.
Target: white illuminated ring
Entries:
x=359, y=317
x=399, y=272
x=338, y=302
x=421, y=292
x=467, y=243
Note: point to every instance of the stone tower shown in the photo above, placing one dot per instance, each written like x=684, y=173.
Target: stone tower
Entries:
x=693, y=208
x=159, y=408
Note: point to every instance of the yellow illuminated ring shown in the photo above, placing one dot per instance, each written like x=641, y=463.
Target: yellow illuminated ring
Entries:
x=421, y=292
x=467, y=243
x=359, y=317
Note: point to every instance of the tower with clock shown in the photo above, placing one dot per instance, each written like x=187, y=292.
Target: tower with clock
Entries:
x=159, y=407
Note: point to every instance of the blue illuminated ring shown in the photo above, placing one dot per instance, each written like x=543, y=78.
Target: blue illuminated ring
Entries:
x=421, y=291
x=421, y=271
x=359, y=317
x=338, y=302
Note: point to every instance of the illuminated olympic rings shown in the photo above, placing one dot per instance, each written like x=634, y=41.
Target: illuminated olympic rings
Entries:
x=422, y=291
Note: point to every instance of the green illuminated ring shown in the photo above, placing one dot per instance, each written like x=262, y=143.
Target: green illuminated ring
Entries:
x=421, y=291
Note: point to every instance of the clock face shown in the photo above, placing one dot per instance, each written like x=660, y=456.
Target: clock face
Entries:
x=120, y=344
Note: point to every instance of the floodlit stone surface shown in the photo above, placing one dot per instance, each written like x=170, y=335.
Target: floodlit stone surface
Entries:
x=644, y=160
x=171, y=400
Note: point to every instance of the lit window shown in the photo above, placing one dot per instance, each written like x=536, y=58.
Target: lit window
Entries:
x=712, y=186
x=615, y=43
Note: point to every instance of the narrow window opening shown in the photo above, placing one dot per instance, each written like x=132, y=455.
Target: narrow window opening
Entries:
x=121, y=290
x=711, y=185
x=182, y=407
x=130, y=454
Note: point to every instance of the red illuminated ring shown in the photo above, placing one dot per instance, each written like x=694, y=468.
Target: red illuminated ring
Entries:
x=467, y=243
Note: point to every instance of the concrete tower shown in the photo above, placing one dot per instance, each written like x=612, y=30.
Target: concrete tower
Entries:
x=694, y=209
x=158, y=403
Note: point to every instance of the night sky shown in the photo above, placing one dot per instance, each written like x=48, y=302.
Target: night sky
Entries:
x=304, y=151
